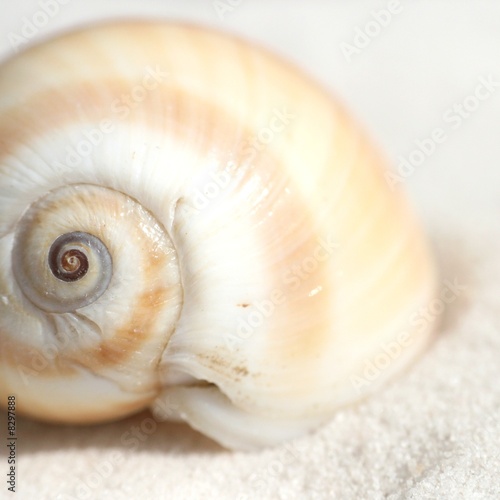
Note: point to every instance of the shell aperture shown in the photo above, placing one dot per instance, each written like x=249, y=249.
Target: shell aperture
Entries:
x=189, y=224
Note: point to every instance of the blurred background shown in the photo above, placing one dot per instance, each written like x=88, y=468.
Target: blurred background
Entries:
x=401, y=66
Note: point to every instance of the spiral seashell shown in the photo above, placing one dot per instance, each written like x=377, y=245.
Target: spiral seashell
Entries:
x=189, y=224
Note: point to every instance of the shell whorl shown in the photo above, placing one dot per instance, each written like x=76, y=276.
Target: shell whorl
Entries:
x=114, y=319
x=249, y=253
x=48, y=262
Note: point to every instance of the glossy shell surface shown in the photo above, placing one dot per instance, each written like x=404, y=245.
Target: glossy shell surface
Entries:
x=257, y=257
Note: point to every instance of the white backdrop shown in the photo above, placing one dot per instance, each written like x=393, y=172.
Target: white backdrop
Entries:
x=409, y=75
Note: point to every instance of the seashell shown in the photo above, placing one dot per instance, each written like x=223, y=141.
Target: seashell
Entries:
x=189, y=224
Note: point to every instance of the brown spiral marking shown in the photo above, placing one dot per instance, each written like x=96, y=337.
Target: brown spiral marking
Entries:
x=71, y=266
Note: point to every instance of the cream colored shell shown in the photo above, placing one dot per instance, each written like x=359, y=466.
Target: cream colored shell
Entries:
x=260, y=259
